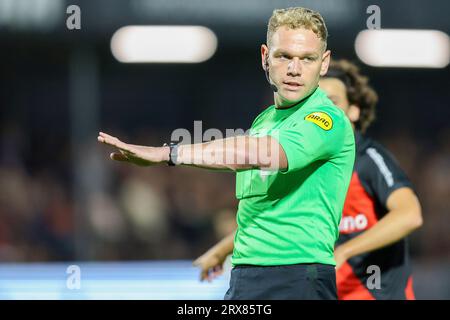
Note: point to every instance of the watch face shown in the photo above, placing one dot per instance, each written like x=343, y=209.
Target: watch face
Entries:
x=173, y=154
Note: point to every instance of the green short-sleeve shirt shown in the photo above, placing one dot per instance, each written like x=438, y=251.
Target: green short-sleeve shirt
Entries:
x=292, y=216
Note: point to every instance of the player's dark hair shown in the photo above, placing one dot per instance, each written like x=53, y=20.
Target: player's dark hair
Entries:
x=359, y=92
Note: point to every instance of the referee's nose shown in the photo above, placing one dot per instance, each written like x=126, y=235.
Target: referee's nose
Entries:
x=294, y=67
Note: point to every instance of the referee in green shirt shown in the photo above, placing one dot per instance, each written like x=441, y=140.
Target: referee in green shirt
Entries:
x=293, y=169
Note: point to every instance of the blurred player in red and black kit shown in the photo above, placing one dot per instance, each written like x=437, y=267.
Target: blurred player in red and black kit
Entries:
x=380, y=210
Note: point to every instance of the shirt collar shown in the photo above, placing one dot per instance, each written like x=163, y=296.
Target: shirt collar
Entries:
x=300, y=103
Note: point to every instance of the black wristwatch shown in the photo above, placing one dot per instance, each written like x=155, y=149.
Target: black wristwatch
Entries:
x=173, y=153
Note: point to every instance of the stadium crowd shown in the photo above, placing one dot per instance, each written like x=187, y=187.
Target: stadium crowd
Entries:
x=167, y=213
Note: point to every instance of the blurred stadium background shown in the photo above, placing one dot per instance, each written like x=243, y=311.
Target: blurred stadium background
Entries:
x=135, y=231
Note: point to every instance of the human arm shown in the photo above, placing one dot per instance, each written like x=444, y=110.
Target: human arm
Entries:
x=211, y=262
x=403, y=217
x=235, y=153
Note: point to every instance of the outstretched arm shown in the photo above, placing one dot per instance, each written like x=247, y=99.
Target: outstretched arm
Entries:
x=236, y=153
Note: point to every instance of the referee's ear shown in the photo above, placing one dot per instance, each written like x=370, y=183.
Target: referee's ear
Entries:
x=264, y=56
x=326, y=57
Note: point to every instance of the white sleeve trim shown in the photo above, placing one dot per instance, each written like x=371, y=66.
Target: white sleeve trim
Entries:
x=379, y=161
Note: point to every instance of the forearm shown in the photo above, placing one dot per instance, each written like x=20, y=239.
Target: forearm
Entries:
x=235, y=153
x=224, y=247
x=394, y=226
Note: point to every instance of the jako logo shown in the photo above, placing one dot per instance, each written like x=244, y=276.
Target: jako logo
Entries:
x=351, y=224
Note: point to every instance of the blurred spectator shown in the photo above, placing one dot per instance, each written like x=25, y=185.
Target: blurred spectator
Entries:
x=167, y=213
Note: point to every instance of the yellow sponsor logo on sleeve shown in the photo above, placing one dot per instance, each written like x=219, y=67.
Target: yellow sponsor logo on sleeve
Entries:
x=322, y=119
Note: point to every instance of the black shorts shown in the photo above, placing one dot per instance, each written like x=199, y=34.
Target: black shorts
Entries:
x=287, y=282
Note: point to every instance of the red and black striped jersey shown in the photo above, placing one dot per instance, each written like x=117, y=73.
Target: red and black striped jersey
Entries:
x=375, y=176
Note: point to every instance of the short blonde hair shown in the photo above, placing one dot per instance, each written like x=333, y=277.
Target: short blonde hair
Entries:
x=298, y=17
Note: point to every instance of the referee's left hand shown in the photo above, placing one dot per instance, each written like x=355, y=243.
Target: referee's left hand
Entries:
x=210, y=264
x=138, y=155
